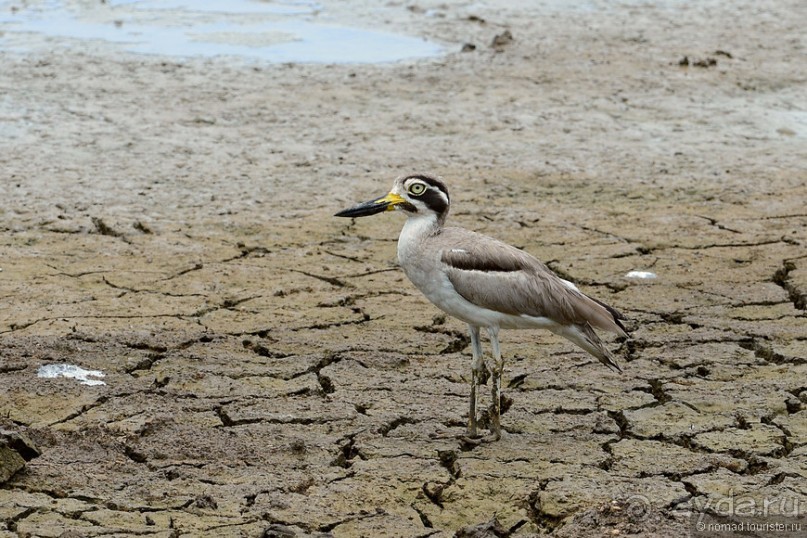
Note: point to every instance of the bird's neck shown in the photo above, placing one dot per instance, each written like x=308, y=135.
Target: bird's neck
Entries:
x=415, y=230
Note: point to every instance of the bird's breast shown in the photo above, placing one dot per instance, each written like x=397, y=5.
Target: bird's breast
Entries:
x=419, y=257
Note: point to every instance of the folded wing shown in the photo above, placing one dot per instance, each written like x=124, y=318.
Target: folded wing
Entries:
x=500, y=277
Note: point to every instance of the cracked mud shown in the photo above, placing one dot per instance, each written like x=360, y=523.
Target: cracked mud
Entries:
x=270, y=372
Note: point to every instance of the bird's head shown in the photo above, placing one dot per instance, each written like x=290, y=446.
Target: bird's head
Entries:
x=416, y=195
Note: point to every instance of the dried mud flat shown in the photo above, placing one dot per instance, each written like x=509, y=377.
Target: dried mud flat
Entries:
x=270, y=372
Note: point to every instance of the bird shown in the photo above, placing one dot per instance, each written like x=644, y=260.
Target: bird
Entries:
x=488, y=284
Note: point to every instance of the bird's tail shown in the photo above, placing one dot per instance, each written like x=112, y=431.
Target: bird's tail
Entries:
x=585, y=337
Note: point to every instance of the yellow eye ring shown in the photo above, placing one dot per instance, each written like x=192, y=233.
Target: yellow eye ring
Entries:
x=416, y=189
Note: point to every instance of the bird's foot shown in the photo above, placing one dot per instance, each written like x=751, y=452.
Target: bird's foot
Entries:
x=492, y=437
x=468, y=442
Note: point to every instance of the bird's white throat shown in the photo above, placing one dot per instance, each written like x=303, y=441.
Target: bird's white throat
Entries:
x=415, y=229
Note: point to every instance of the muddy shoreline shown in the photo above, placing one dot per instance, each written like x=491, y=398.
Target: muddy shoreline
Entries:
x=268, y=368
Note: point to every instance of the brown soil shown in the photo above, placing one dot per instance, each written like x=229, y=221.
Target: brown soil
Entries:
x=271, y=372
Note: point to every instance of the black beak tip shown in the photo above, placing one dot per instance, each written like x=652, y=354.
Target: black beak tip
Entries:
x=363, y=210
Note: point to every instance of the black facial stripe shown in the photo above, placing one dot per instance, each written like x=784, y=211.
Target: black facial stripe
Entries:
x=432, y=182
x=434, y=201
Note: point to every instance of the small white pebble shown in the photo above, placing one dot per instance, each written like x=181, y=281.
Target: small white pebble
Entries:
x=71, y=371
x=641, y=274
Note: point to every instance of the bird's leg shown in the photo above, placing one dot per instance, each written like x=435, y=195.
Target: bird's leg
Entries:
x=476, y=377
x=496, y=385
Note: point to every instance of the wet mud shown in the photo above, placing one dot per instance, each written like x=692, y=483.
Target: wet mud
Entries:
x=269, y=371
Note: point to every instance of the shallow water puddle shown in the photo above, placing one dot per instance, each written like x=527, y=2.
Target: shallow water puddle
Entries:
x=50, y=371
x=271, y=31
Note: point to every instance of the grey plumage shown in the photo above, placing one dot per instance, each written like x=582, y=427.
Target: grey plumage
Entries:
x=499, y=277
x=487, y=283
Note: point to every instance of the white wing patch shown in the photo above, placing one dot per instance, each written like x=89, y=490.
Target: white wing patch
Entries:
x=569, y=285
x=459, y=251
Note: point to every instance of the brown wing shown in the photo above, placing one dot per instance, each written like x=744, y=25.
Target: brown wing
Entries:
x=502, y=278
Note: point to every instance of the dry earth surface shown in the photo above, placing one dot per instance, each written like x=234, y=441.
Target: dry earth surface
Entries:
x=271, y=372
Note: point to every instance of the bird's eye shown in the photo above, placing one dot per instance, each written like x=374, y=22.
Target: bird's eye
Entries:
x=417, y=189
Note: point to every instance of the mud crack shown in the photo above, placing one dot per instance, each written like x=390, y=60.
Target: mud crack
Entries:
x=543, y=520
x=127, y=289
x=714, y=222
x=765, y=351
x=460, y=339
x=333, y=281
x=226, y=304
x=782, y=279
x=347, y=452
x=385, y=429
x=103, y=228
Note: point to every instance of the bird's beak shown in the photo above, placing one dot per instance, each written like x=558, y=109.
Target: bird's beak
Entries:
x=387, y=203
